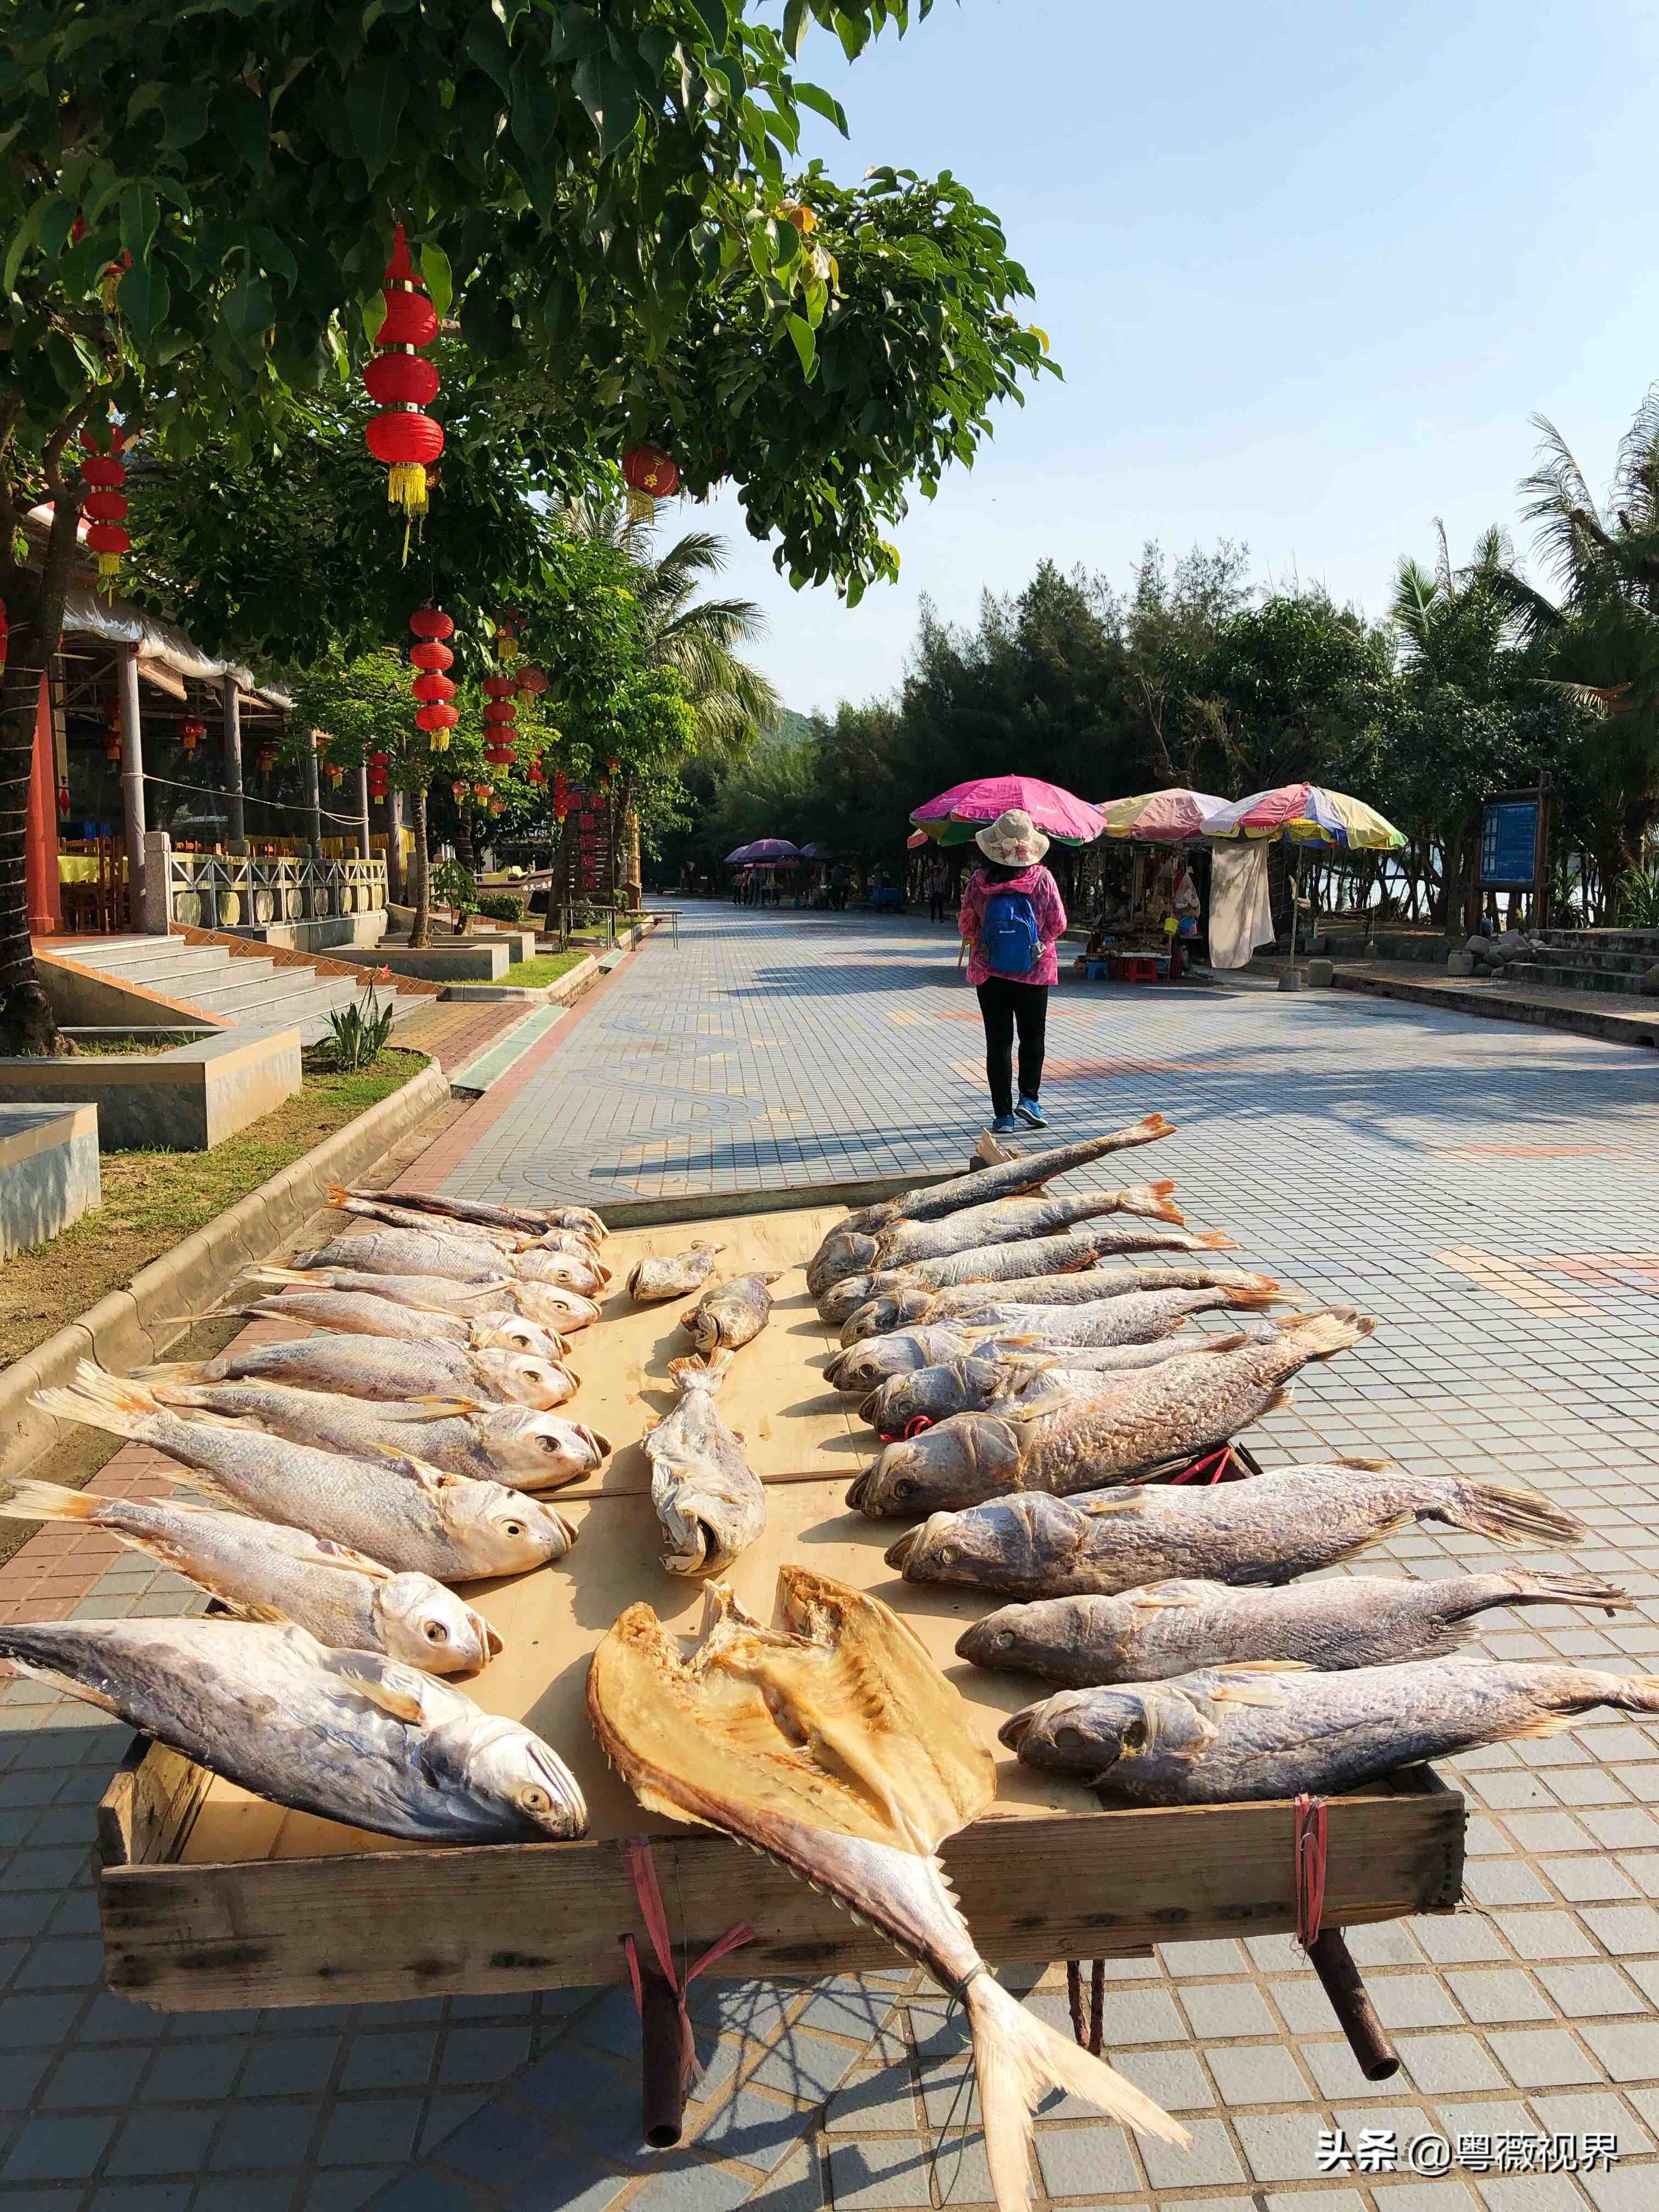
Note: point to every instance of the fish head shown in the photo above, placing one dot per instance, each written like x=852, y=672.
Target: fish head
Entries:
x=526, y=1380
x=504, y=1531
x=512, y=1333
x=427, y=1626
x=930, y=1393
x=842, y=1300
x=1002, y=1639
x=957, y=1463
x=538, y=1451
x=1002, y=1544
x=1121, y=1736
x=561, y=1270
x=555, y=1307
x=500, y=1766
x=843, y=1254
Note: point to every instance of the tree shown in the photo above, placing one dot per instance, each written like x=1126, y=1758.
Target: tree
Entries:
x=195, y=212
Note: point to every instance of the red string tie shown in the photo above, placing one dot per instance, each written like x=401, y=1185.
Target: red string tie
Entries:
x=643, y=1868
x=1310, y=1843
x=913, y=1427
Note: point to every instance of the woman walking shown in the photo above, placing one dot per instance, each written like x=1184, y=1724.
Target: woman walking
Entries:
x=1011, y=921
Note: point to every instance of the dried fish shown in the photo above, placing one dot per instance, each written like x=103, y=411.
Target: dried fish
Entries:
x=913, y=1306
x=992, y=1263
x=650, y=1281
x=710, y=1504
x=533, y=1220
x=1008, y=1179
x=733, y=1314
x=1006, y=1220
x=995, y=1377
x=381, y=1367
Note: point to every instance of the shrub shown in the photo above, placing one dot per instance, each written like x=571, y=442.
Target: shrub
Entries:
x=1636, y=895
x=357, y=1033
x=502, y=906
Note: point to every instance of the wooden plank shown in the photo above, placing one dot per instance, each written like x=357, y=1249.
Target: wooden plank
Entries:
x=724, y=1206
x=290, y=1932
x=153, y=1796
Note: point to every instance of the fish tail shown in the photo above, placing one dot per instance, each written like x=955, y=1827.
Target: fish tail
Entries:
x=1249, y=1301
x=1213, y=1240
x=1322, y=1335
x=1153, y=1200
x=1636, y=1693
x=106, y=1401
x=31, y=1500
x=1509, y=1515
x=1018, y=2058
x=694, y=1374
x=1530, y=1589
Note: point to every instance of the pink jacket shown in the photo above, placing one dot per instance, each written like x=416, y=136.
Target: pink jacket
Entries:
x=1043, y=892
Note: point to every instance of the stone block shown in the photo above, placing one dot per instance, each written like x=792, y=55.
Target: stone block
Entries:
x=1321, y=975
x=186, y=1100
x=48, y=1170
x=1460, y=964
x=1291, y=980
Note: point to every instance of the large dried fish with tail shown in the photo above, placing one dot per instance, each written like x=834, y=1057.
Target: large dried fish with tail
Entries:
x=391, y=1508
x=1292, y=1520
x=834, y=1745
x=1276, y=1729
x=533, y=1220
x=549, y=1305
x=1004, y=1221
x=878, y=1359
x=1032, y=1256
x=505, y=1241
x=1063, y=1440
x=264, y=1571
x=452, y=1259
x=514, y=1444
x=675, y=1275
x=383, y=1367
x=345, y=1735
x=912, y=1305
x=1170, y=1628
x=1008, y=1179
x=709, y=1501
x=996, y=1375
x=348, y=1313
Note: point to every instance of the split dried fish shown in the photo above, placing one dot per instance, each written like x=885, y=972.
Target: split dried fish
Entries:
x=1004, y=1221
x=992, y=1263
x=1291, y=1520
x=533, y=1219
x=1008, y=1179
x=549, y=1306
x=710, y=1504
x=1275, y=1729
x=649, y=1281
x=266, y=1571
x=526, y=1450
x=996, y=1376
x=733, y=1314
x=506, y=1241
x=343, y=1734
x=383, y=1367
x=389, y=1506
x=1064, y=1441
x=1170, y=1628
x=913, y=1307
x=835, y=1746
x=346, y=1313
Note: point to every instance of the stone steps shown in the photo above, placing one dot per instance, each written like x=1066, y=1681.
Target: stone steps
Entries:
x=251, y=992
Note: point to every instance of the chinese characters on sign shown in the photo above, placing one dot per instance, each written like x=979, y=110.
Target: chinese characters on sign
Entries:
x=1378, y=2150
x=1512, y=843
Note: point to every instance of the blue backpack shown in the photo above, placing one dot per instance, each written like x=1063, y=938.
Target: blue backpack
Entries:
x=1009, y=937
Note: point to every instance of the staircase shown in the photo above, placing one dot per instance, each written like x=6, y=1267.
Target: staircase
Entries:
x=246, y=991
x=1614, y=961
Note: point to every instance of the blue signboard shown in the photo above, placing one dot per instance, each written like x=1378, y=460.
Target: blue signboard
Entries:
x=1509, y=842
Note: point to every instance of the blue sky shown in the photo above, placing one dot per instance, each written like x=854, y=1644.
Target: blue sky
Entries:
x=1309, y=270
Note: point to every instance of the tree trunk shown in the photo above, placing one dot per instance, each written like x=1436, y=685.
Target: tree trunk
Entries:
x=421, y=873
x=33, y=601
x=394, y=850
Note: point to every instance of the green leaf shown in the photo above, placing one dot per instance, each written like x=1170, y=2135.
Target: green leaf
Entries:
x=144, y=298
x=25, y=236
x=823, y=103
x=795, y=20
x=486, y=44
x=376, y=94
x=245, y=121
x=184, y=114
x=805, y=344
x=713, y=16
x=248, y=310
x=606, y=91
x=435, y=268
x=140, y=213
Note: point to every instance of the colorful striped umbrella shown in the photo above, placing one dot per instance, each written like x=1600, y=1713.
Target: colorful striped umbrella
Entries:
x=956, y=814
x=1308, y=814
x=1161, y=818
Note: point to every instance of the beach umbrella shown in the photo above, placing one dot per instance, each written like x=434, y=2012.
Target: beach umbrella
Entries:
x=953, y=817
x=1306, y=814
x=1161, y=818
x=818, y=851
x=737, y=856
x=771, y=849
x=916, y=839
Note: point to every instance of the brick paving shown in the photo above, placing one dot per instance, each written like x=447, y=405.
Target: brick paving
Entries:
x=1488, y=1194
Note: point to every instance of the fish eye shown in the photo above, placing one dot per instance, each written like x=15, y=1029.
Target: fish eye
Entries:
x=1004, y=1639
x=904, y=1487
x=535, y=1799
x=1067, y=1738
x=436, y=1632
x=548, y=1444
x=949, y=1554
x=513, y=1527
x=1133, y=1737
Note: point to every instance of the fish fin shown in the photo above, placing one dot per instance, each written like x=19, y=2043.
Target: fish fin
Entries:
x=1214, y=1240
x=171, y=1370
x=430, y=1477
x=1547, y=1589
x=1125, y=1501
x=1246, y=1301
x=66, y=1685
x=1017, y=2057
x=1366, y=1465
x=1050, y=1400
x=1284, y=1394
x=1322, y=1335
x=49, y=1501
x=1231, y=1342
x=102, y=1402
x=1153, y=1201
x=394, y=1688
x=1443, y=1643
x=1507, y=1515
x=1257, y=1686
x=1161, y=1593
x=711, y=1371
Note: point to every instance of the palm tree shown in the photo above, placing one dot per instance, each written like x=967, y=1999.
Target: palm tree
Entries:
x=1599, y=639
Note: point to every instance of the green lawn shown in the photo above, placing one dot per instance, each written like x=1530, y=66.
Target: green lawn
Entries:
x=546, y=967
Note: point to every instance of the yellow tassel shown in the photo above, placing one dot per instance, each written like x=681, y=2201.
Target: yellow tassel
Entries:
x=108, y=563
x=405, y=487
x=641, y=505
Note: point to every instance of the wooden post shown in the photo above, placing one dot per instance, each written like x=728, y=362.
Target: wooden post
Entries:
x=313, y=795
x=132, y=777
x=1351, y=2001
x=365, y=850
x=662, y=2072
x=234, y=763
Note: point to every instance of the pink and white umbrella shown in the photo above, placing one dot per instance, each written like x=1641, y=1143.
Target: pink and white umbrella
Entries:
x=1161, y=818
x=956, y=814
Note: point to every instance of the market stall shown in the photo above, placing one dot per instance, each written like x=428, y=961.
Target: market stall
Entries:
x=1303, y=814
x=1148, y=934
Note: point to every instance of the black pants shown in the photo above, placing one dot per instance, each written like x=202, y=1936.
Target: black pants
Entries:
x=1004, y=1006
x=936, y=906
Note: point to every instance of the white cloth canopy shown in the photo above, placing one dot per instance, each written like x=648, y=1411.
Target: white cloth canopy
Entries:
x=1240, y=915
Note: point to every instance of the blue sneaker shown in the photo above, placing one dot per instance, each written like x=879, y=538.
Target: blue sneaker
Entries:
x=1030, y=1111
x=1004, y=1126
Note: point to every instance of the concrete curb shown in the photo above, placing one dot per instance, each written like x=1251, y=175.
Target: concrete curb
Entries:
x=567, y=986
x=131, y=1327
x=1484, y=1002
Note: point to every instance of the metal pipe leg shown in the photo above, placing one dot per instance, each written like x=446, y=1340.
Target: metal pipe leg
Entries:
x=663, y=2069
x=1368, y=2038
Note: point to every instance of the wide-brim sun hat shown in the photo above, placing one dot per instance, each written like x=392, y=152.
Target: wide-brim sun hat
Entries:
x=1013, y=840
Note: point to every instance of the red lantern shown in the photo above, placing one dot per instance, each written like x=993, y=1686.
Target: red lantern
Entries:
x=536, y=775
x=480, y=792
x=103, y=472
x=433, y=688
x=106, y=473
x=62, y=802
x=430, y=654
x=399, y=380
x=499, y=687
x=533, y=680
x=336, y=776
x=457, y=791
x=191, y=731
x=109, y=542
x=561, y=794
x=503, y=712
x=507, y=636
x=267, y=757
x=650, y=475
x=436, y=717
x=431, y=621
x=105, y=506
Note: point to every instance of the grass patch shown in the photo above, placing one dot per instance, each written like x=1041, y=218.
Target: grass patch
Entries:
x=546, y=967
x=153, y=1199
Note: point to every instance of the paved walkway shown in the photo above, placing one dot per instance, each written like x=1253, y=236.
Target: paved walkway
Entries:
x=1488, y=1194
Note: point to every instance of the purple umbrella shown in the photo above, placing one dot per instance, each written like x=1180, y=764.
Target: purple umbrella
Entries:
x=771, y=849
